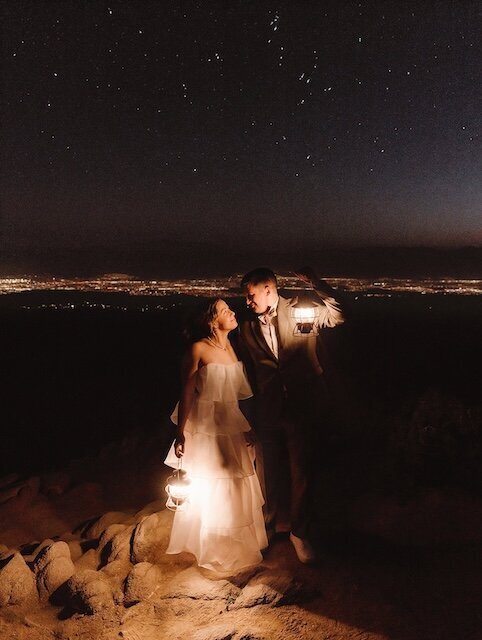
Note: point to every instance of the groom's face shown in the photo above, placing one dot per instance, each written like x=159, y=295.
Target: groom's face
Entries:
x=258, y=297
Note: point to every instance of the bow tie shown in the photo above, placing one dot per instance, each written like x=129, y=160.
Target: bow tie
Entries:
x=268, y=315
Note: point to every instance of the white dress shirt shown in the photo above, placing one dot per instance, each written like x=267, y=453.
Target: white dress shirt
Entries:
x=268, y=330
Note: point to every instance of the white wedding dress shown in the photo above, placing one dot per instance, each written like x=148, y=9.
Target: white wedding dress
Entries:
x=222, y=523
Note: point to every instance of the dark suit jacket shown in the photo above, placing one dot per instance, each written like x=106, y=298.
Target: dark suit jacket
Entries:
x=288, y=384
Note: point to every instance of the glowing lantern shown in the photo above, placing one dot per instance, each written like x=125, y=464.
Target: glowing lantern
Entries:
x=305, y=314
x=177, y=489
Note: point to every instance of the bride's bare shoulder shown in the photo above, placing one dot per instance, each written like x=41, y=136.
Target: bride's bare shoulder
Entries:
x=199, y=348
x=194, y=356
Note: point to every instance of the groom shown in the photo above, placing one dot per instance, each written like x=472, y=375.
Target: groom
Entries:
x=287, y=380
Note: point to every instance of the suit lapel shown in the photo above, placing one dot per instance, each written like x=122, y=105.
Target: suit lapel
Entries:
x=284, y=322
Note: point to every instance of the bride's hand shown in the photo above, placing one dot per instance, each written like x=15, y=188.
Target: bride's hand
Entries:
x=179, y=445
x=250, y=438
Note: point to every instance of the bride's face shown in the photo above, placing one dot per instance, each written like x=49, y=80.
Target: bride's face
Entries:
x=225, y=318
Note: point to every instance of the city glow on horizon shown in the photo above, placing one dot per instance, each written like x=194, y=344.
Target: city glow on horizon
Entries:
x=228, y=286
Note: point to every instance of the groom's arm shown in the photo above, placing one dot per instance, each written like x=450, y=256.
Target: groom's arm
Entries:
x=331, y=312
x=239, y=345
x=241, y=349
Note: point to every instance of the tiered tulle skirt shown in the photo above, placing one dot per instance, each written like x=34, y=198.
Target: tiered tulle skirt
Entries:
x=222, y=523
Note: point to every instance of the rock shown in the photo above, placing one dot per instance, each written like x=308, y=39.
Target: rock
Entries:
x=48, y=551
x=55, y=483
x=151, y=537
x=17, y=582
x=216, y=632
x=108, y=534
x=106, y=540
x=88, y=560
x=120, y=545
x=89, y=592
x=75, y=548
x=96, y=529
x=36, y=548
x=53, y=576
x=143, y=580
x=68, y=536
x=53, y=566
x=268, y=587
x=82, y=527
x=116, y=572
x=191, y=584
x=29, y=548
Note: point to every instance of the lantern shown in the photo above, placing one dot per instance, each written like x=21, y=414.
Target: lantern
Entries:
x=305, y=313
x=177, y=489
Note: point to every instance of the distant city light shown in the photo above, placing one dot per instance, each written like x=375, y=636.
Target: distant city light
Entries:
x=227, y=287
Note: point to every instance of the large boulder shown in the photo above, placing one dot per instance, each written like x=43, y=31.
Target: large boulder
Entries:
x=116, y=572
x=120, y=545
x=191, y=584
x=143, y=580
x=17, y=582
x=89, y=592
x=151, y=537
x=104, y=548
x=88, y=560
x=219, y=632
x=33, y=549
x=106, y=537
x=75, y=548
x=47, y=551
x=97, y=528
x=53, y=566
x=268, y=587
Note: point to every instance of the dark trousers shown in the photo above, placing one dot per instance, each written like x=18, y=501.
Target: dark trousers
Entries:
x=282, y=449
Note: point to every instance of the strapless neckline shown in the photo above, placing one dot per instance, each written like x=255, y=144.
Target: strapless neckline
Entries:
x=220, y=364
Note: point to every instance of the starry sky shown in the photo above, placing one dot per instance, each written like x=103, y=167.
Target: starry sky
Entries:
x=245, y=123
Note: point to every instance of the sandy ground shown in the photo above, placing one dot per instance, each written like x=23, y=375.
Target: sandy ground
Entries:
x=361, y=586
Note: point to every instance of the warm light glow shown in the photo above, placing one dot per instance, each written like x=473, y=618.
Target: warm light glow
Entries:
x=305, y=314
x=178, y=490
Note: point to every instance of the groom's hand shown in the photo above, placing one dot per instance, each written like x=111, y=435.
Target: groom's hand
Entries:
x=307, y=275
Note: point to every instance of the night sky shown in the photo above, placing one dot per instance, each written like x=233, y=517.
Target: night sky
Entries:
x=245, y=123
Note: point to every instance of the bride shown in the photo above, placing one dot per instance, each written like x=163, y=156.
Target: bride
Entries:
x=222, y=524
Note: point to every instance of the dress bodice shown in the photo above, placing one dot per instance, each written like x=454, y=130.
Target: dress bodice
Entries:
x=215, y=407
x=222, y=383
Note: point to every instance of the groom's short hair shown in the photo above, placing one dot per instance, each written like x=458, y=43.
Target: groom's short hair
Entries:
x=261, y=275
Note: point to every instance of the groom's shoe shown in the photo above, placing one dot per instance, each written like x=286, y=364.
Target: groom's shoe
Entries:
x=303, y=548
